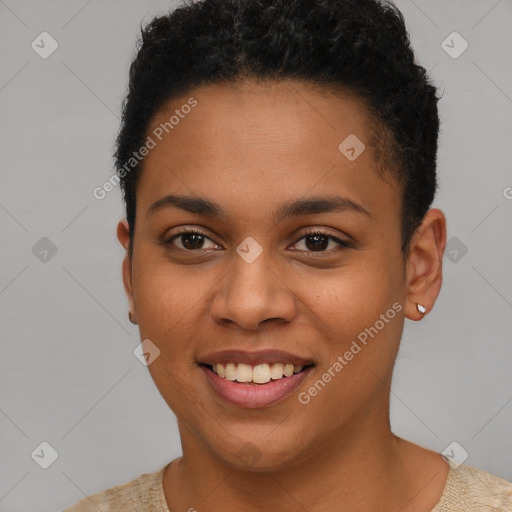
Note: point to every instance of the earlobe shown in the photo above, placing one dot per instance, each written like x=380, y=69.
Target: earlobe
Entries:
x=424, y=265
x=123, y=235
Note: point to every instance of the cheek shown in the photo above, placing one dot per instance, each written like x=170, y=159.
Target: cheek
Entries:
x=365, y=326
x=353, y=297
x=168, y=305
x=360, y=312
x=164, y=291
x=163, y=299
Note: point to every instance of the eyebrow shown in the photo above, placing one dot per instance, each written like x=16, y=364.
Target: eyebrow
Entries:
x=294, y=208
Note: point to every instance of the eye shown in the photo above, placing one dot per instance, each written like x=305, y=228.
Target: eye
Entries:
x=190, y=240
x=318, y=241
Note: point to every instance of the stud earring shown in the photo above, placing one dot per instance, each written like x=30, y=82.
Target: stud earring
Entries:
x=131, y=318
x=421, y=309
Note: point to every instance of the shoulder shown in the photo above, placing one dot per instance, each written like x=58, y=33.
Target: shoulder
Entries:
x=142, y=493
x=469, y=489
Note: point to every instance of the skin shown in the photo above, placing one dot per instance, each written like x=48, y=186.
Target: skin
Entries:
x=249, y=147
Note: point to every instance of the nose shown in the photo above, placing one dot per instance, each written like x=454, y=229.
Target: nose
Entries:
x=253, y=293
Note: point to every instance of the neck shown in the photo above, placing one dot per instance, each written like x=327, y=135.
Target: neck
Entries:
x=353, y=470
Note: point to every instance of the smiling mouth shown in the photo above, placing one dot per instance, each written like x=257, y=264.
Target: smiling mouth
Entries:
x=255, y=374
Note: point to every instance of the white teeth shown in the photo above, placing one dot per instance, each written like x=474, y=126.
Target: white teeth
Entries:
x=276, y=370
x=288, y=370
x=259, y=374
x=230, y=371
x=243, y=373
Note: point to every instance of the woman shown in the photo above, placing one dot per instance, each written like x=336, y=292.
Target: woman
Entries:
x=278, y=164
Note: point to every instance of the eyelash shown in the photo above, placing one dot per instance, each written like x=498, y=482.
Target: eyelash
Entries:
x=343, y=244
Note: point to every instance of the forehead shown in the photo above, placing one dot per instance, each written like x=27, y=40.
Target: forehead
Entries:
x=260, y=141
x=294, y=112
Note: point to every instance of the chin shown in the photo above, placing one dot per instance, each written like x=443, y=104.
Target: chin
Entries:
x=258, y=454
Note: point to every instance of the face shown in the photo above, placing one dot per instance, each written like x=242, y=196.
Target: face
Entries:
x=240, y=270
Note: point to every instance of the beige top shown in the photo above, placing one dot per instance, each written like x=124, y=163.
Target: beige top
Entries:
x=467, y=489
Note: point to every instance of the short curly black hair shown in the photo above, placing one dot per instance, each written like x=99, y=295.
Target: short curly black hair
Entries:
x=359, y=46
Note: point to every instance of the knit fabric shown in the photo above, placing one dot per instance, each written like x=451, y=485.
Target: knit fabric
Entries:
x=467, y=489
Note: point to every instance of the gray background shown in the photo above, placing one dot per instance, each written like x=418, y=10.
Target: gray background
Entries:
x=68, y=375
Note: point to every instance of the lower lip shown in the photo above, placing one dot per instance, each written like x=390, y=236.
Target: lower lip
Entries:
x=255, y=395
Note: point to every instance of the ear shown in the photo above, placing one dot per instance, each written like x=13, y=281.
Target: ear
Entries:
x=123, y=235
x=424, y=264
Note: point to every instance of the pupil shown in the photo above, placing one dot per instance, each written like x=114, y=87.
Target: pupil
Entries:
x=195, y=237
x=320, y=241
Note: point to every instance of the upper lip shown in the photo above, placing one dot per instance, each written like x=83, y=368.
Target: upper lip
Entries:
x=254, y=358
